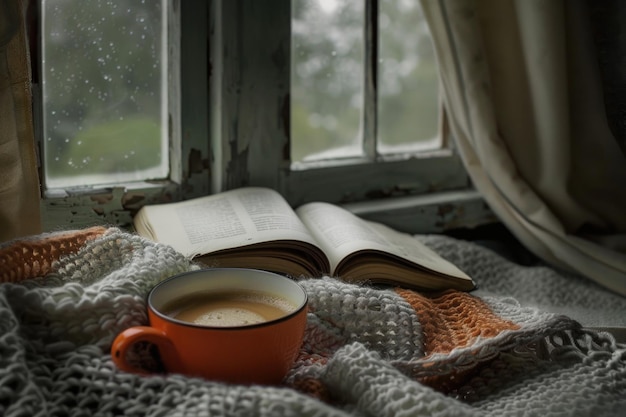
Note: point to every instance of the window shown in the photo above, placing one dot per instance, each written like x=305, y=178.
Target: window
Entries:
x=333, y=114
x=223, y=115
x=104, y=73
x=327, y=80
x=112, y=113
x=253, y=117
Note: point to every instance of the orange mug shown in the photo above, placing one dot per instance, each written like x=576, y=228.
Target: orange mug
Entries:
x=259, y=351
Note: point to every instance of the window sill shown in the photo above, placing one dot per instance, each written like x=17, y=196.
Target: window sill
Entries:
x=428, y=213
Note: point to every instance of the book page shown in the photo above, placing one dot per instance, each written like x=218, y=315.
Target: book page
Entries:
x=233, y=218
x=341, y=233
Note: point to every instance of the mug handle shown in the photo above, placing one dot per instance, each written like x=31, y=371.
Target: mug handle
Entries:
x=127, y=338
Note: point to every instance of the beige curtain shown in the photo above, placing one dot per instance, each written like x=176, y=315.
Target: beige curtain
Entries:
x=19, y=183
x=523, y=98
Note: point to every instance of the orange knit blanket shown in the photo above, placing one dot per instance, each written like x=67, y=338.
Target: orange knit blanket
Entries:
x=368, y=351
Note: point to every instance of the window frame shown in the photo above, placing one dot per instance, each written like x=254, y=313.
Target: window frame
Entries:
x=427, y=193
x=188, y=134
x=234, y=131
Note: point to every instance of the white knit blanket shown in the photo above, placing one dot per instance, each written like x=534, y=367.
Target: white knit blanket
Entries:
x=367, y=351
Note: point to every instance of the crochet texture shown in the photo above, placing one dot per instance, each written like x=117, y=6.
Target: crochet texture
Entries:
x=367, y=351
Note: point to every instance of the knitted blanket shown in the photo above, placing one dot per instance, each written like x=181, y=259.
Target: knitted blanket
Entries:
x=367, y=351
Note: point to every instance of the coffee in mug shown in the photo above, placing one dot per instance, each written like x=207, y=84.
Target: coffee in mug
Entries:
x=224, y=308
x=233, y=325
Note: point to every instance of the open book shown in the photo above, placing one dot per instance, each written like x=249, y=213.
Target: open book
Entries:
x=256, y=228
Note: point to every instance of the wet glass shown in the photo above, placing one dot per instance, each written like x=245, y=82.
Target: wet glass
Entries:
x=327, y=81
x=408, y=85
x=328, y=67
x=104, y=90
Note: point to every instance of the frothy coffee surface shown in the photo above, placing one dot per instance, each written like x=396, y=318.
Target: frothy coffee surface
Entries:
x=228, y=308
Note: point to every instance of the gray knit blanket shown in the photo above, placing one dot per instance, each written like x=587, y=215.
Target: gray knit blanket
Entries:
x=516, y=347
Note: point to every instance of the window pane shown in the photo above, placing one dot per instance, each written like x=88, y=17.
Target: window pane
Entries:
x=104, y=73
x=408, y=104
x=327, y=78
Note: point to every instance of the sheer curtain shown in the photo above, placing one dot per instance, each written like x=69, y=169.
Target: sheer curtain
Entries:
x=19, y=183
x=523, y=99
